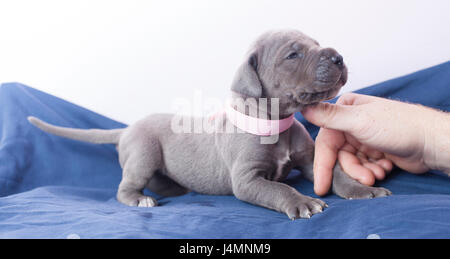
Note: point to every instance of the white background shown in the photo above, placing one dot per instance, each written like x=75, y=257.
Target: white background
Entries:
x=126, y=59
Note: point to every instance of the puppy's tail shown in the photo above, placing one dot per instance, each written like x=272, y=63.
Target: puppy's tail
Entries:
x=98, y=136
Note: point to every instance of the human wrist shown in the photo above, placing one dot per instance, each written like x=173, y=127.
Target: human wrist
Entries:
x=436, y=152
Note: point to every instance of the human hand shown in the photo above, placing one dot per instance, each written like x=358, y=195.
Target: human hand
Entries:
x=366, y=135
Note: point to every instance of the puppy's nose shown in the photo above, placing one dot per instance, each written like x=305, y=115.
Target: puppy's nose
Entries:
x=338, y=60
x=332, y=56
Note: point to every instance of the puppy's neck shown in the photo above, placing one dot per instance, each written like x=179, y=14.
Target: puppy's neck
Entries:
x=261, y=108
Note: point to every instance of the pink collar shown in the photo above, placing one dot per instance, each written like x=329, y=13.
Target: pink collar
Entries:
x=255, y=126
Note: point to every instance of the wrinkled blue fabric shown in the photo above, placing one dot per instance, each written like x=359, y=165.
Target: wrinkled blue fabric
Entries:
x=51, y=187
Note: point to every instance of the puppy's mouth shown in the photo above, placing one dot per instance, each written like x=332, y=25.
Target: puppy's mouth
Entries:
x=313, y=97
x=306, y=98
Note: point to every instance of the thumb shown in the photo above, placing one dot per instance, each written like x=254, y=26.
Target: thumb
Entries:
x=331, y=116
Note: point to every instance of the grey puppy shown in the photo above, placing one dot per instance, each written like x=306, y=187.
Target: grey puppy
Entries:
x=287, y=65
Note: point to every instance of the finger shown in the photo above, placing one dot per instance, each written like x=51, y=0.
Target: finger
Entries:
x=362, y=157
x=371, y=153
x=386, y=164
x=331, y=116
x=368, y=152
x=351, y=165
x=354, y=99
x=339, y=116
x=327, y=145
x=377, y=170
x=349, y=148
x=352, y=141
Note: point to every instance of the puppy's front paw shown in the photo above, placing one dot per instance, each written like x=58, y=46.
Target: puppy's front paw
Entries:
x=304, y=207
x=362, y=192
x=348, y=188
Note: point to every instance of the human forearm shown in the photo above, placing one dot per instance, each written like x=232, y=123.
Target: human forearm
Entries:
x=437, y=141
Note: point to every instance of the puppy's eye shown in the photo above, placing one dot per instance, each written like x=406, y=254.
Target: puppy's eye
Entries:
x=293, y=55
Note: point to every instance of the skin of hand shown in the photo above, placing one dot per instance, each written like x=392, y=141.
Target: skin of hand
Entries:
x=368, y=134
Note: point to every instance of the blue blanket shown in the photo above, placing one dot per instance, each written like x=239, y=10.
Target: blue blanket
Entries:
x=51, y=187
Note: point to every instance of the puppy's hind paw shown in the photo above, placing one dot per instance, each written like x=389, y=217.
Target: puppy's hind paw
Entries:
x=146, y=201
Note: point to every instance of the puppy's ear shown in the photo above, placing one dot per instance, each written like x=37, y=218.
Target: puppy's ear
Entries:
x=246, y=81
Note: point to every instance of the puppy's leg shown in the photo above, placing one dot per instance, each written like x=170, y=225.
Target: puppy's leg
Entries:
x=348, y=188
x=137, y=171
x=275, y=195
x=343, y=185
x=163, y=185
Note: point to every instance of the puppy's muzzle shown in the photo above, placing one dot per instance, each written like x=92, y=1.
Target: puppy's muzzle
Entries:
x=330, y=75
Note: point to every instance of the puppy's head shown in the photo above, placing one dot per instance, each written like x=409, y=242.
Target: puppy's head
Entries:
x=292, y=67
